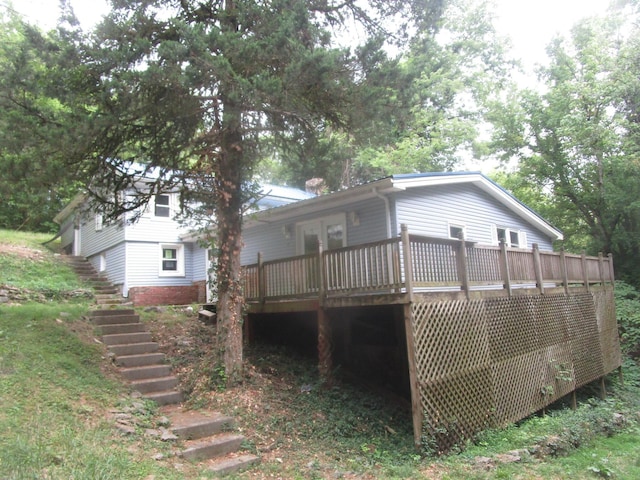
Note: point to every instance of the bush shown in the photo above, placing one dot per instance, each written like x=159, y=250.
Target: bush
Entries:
x=628, y=313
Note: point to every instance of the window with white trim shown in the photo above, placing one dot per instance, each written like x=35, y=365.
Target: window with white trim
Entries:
x=162, y=205
x=511, y=237
x=171, y=260
x=98, y=222
x=457, y=232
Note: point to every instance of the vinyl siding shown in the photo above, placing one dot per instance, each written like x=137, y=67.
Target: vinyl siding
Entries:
x=198, y=263
x=271, y=238
x=428, y=211
x=115, y=264
x=94, y=241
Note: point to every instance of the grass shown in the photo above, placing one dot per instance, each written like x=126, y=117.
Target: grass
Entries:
x=58, y=394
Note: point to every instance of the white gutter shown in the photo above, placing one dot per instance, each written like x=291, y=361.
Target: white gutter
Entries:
x=387, y=209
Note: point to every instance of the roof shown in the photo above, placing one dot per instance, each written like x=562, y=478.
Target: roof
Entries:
x=397, y=183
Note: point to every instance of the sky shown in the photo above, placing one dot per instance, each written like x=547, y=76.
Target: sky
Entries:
x=531, y=25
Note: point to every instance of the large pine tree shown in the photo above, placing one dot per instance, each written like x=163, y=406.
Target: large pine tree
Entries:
x=196, y=86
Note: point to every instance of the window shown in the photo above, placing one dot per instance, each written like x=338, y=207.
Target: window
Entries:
x=331, y=231
x=162, y=205
x=172, y=260
x=98, y=223
x=511, y=237
x=457, y=231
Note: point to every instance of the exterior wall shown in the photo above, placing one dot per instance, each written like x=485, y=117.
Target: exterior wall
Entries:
x=143, y=266
x=145, y=296
x=277, y=239
x=114, y=263
x=67, y=235
x=94, y=241
x=428, y=211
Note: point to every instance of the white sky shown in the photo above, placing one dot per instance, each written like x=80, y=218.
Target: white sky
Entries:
x=531, y=25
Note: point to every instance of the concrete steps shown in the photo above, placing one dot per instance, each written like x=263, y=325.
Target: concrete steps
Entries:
x=208, y=438
x=136, y=354
x=104, y=291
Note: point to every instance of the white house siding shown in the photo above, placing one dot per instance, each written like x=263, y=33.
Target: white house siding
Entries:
x=143, y=266
x=162, y=230
x=67, y=232
x=114, y=260
x=198, y=262
x=93, y=242
x=429, y=210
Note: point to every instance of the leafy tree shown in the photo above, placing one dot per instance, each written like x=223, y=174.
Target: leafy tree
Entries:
x=37, y=125
x=574, y=141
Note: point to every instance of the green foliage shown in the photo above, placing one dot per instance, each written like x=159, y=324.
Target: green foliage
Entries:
x=575, y=142
x=627, y=300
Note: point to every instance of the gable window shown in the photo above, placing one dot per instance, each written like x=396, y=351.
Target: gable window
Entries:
x=98, y=223
x=511, y=237
x=162, y=205
x=171, y=260
x=457, y=231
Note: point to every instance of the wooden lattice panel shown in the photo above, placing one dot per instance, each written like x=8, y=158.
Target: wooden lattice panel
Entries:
x=496, y=360
x=512, y=329
x=585, y=342
x=516, y=384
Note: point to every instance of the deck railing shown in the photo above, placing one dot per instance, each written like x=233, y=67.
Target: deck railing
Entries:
x=410, y=264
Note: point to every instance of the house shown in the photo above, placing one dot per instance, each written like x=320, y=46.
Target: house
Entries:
x=442, y=287
x=152, y=260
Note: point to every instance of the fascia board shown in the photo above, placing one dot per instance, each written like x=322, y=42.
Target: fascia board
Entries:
x=70, y=208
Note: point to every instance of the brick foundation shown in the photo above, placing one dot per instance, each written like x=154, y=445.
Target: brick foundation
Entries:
x=146, y=296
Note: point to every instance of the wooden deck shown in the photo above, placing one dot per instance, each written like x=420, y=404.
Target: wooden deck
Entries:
x=396, y=271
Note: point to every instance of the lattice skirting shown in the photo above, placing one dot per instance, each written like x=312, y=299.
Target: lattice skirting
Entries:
x=489, y=362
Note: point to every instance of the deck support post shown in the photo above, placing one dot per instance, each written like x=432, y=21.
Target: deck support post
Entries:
x=585, y=272
x=537, y=267
x=408, y=266
x=601, y=267
x=603, y=389
x=463, y=268
x=565, y=274
x=416, y=404
x=611, y=273
x=261, y=285
x=325, y=360
x=574, y=400
x=620, y=376
x=504, y=267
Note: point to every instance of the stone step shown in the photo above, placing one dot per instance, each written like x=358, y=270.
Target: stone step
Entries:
x=233, y=463
x=140, y=348
x=194, y=425
x=211, y=447
x=115, y=301
x=113, y=329
x=111, y=312
x=167, y=397
x=146, y=372
x=115, y=319
x=140, y=360
x=123, y=338
x=155, y=385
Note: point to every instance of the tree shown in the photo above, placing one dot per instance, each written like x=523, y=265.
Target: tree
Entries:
x=191, y=90
x=574, y=141
x=37, y=125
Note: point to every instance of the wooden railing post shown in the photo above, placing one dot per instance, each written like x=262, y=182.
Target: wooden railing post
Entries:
x=406, y=255
x=537, y=267
x=261, y=282
x=601, y=267
x=563, y=269
x=463, y=268
x=321, y=275
x=504, y=266
x=613, y=278
x=585, y=272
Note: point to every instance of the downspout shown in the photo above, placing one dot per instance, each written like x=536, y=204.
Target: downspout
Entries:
x=387, y=209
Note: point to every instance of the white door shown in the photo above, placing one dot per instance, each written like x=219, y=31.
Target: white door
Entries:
x=331, y=231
